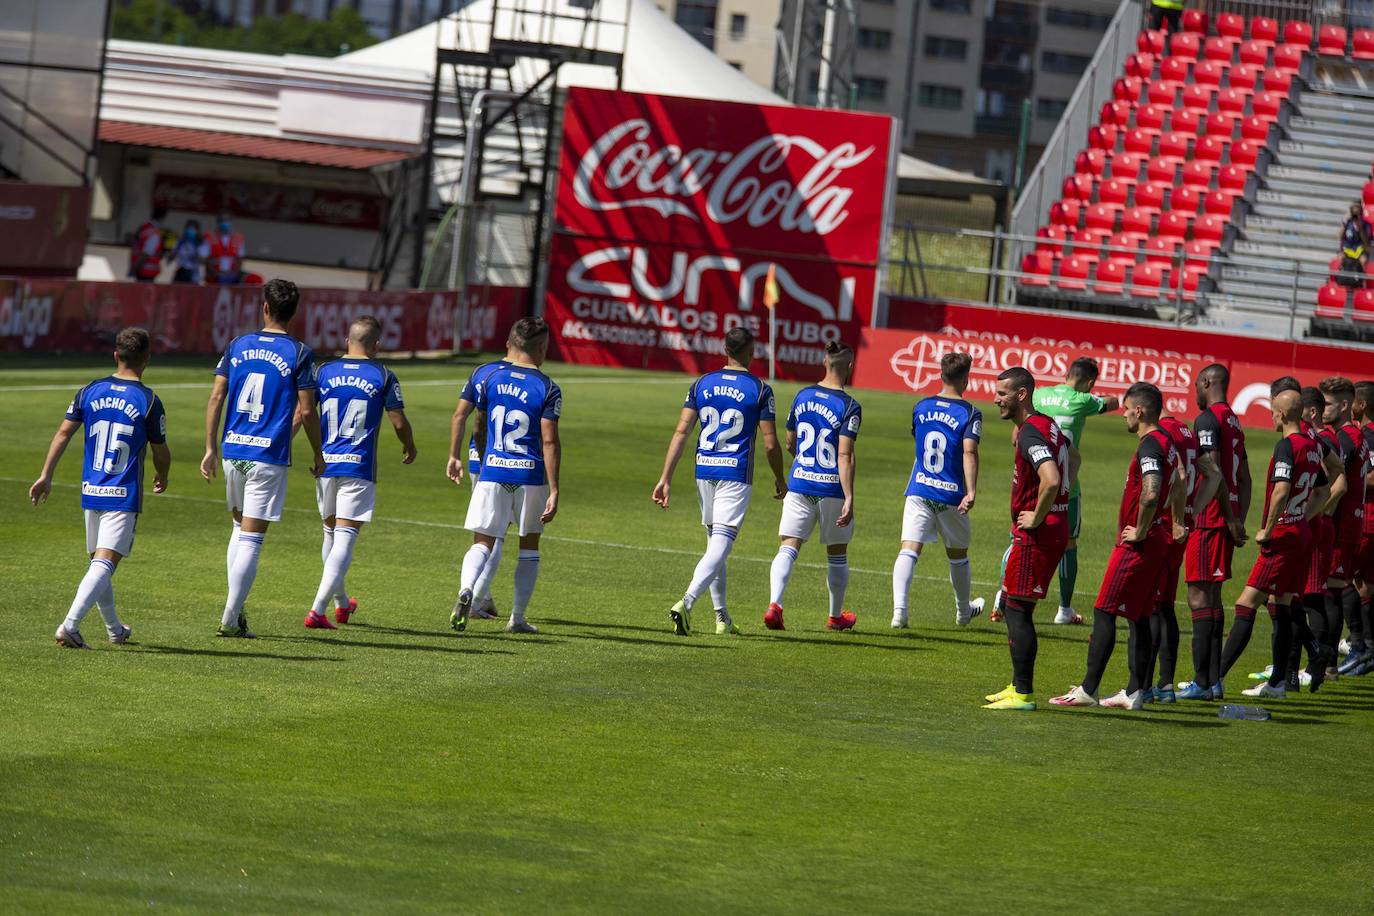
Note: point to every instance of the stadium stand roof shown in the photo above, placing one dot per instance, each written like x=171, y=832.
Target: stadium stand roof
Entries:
x=224, y=143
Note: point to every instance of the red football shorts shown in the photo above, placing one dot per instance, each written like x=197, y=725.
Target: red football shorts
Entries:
x=1132, y=580
x=1173, y=569
x=1208, y=555
x=1345, y=555
x=1323, y=541
x=1283, y=561
x=1034, y=558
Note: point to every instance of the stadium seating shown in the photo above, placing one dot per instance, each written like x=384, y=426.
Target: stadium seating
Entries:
x=1331, y=301
x=1363, y=307
x=1331, y=41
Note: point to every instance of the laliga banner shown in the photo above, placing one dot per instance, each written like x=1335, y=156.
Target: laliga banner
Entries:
x=669, y=212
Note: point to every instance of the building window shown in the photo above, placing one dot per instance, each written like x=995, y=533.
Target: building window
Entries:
x=1050, y=109
x=738, y=24
x=930, y=95
x=698, y=19
x=952, y=6
x=1077, y=19
x=870, y=89
x=948, y=48
x=1059, y=62
x=736, y=64
x=875, y=39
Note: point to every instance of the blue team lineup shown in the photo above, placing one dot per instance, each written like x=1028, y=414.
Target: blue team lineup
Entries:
x=1182, y=513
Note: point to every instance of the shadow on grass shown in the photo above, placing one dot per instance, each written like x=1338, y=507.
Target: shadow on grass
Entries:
x=1187, y=720
x=403, y=647
x=683, y=642
x=851, y=642
x=148, y=648
x=445, y=634
x=553, y=621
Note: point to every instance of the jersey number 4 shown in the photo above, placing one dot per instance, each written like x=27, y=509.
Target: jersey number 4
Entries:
x=250, y=396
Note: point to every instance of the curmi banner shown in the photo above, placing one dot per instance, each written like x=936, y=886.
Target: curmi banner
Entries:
x=669, y=213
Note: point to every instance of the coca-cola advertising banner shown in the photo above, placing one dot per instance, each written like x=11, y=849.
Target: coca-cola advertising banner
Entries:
x=82, y=317
x=319, y=206
x=670, y=212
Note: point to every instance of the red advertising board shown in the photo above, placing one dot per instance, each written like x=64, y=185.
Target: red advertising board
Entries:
x=318, y=206
x=42, y=227
x=669, y=213
x=77, y=317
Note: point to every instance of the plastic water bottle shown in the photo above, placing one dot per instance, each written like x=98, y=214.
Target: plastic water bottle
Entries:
x=1249, y=713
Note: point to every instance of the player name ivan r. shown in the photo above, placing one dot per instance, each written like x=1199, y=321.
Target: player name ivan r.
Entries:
x=90, y=489
x=242, y=439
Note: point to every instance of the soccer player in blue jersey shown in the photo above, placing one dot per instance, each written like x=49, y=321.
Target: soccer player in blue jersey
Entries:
x=821, y=429
x=353, y=393
x=518, y=409
x=483, y=607
x=122, y=416
x=268, y=378
x=732, y=405
x=942, y=489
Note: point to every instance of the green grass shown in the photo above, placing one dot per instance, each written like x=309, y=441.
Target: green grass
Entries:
x=605, y=765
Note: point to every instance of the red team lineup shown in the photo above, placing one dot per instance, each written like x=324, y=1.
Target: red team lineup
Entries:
x=1183, y=509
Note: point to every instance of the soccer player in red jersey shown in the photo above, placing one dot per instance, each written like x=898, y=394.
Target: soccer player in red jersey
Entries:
x=1363, y=409
x=1164, y=631
x=1339, y=394
x=1284, y=538
x=1154, y=492
x=1039, y=527
x=1218, y=529
x=1315, y=629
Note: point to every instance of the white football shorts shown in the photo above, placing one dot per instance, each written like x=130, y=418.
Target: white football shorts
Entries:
x=927, y=522
x=723, y=502
x=110, y=529
x=254, y=489
x=346, y=497
x=801, y=514
x=494, y=507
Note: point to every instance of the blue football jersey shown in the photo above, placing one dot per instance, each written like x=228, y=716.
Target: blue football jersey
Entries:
x=515, y=400
x=121, y=417
x=353, y=394
x=819, y=417
x=940, y=425
x=265, y=370
x=469, y=394
x=729, y=403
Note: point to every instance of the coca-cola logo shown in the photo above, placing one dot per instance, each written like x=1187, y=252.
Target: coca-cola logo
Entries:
x=755, y=184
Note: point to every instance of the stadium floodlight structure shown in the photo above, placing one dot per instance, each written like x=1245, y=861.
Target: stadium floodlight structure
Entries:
x=816, y=39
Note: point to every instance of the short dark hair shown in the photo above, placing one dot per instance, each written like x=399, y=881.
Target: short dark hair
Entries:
x=370, y=328
x=132, y=346
x=526, y=331
x=1312, y=399
x=739, y=342
x=837, y=351
x=1147, y=396
x=1365, y=392
x=1084, y=367
x=1337, y=386
x=1282, y=384
x=954, y=367
x=1216, y=372
x=281, y=297
x=1020, y=377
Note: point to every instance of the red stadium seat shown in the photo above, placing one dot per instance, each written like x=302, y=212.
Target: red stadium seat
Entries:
x=1243, y=76
x=1233, y=178
x=1050, y=239
x=1151, y=117
x=1367, y=193
x=1245, y=153
x=1232, y=101
x=1137, y=221
x=1116, y=113
x=1288, y=58
x=1103, y=136
x=1255, y=53
x=1091, y=161
x=1183, y=199
x=1277, y=81
x=1230, y=25
x=1073, y=273
x=1221, y=125
x=1217, y=49
x=1331, y=300
x=1197, y=97
x=1266, y=104
x=1079, y=187
x=1174, y=144
x=1188, y=278
x=1364, y=305
x=1159, y=250
x=1194, y=21
x=1198, y=253
x=1065, y=213
x=1217, y=203
x=1141, y=65
x=1100, y=217
x=1185, y=119
x=1162, y=92
x=1209, y=228
x=1146, y=280
x=1209, y=149
x=1255, y=128
x=1334, y=267
x=1198, y=174
x=1209, y=73
x=1263, y=28
x=1085, y=242
x=1126, y=166
x=1123, y=240
x=1037, y=268
x=1139, y=141
x=1297, y=32
x=1150, y=195
x=1175, y=225
x=1174, y=70
x=1151, y=41
x=1331, y=41
x=1363, y=43
x=1184, y=45
x=1161, y=168
x=1127, y=89
x=1110, y=277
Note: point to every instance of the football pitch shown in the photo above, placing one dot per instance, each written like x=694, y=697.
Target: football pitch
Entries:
x=605, y=764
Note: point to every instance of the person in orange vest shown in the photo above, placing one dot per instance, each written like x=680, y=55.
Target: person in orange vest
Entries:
x=226, y=254
x=145, y=254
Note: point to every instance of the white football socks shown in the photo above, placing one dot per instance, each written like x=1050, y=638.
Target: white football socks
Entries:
x=961, y=577
x=341, y=591
x=712, y=562
x=229, y=554
x=902, y=573
x=335, y=567
x=328, y=543
x=481, y=591
x=837, y=580
x=718, y=594
x=473, y=562
x=526, y=574
x=242, y=572
x=780, y=572
x=106, y=602
x=94, y=586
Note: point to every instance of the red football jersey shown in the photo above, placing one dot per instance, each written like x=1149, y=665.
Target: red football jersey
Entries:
x=1368, y=430
x=1354, y=452
x=1186, y=445
x=1038, y=440
x=1154, y=455
x=1298, y=460
x=1218, y=431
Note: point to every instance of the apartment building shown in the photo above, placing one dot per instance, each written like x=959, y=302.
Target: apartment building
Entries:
x=743, y=33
